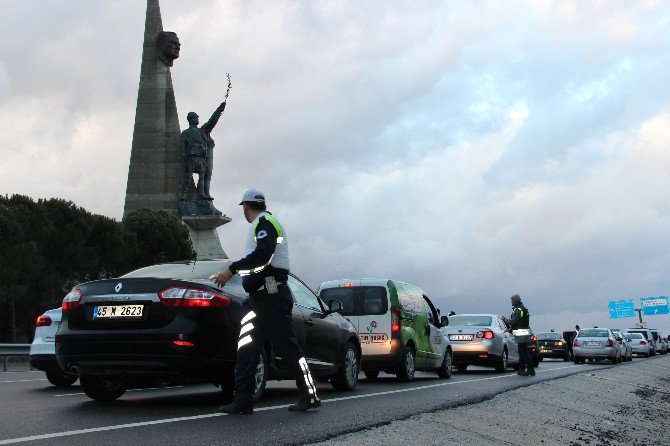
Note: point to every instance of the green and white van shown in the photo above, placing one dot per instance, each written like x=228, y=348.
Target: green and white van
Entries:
x=398, y=325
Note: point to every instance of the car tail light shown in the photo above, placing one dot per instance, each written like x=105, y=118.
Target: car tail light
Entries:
x=183, y=343
x=643, y=343
x=71, y=300
x=533, y=338
x=395, y=319
x=575, y=343
x=486, y=334
x=43, y=321
x=610, y=343
x=192, y=297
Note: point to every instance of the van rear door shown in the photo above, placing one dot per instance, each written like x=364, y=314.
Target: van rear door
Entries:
x=374, y=320
x=345, y=293
x=367, y=307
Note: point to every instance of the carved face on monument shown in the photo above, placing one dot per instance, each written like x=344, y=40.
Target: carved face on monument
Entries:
x=168, y=47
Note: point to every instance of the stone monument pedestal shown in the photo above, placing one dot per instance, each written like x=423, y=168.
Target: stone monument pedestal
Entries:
x=202, y=229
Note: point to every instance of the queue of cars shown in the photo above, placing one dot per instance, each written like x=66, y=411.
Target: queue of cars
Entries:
x=615, y=346
x=169, y=324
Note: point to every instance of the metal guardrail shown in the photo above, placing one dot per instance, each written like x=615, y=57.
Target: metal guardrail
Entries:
x=9, y=350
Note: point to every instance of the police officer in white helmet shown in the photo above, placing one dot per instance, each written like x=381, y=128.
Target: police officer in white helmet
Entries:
x=265, y=269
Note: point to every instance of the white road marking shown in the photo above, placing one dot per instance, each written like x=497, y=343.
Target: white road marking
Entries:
x=23, y=381
x=129, y=390
x=260, y=409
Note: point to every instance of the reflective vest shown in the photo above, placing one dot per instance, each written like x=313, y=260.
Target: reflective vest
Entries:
x=280, y=257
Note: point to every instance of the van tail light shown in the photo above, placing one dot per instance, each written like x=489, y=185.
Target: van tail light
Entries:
x=192, y=297
x=395, y=319
x=71, y=300
x=575, y=343
x=486, y=334
x=643, y=343
x=610, y=343
x=43, y=321
x=183, y=343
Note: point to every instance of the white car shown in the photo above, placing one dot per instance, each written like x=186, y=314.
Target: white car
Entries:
x=639, y=344
x=43, y=349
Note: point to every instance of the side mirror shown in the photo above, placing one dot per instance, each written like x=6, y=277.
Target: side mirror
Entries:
x=444, y=321
x=335, y=306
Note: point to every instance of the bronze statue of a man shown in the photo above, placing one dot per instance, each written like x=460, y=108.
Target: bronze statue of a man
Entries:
x=168, y=47
x=196, y=145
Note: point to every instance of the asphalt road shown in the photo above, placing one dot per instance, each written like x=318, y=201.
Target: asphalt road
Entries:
x=34, y=412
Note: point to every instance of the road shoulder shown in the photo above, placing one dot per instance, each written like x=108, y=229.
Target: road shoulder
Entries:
x=627, y=404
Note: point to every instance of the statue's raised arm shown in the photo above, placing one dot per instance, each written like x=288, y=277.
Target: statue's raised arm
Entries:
x=209, y=125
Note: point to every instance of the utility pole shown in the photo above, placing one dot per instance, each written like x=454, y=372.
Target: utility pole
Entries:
x=639, y=314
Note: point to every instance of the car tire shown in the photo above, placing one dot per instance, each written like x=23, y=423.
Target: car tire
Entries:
x=462, y=368
x=447, y=367
x=347, y=376
x=615, y=359
x=61, y=379
x=371, y=374
x=261, y=376
x=407, y=366
x=536, y=364
x=102, y=388
x=501, y=366
x=577, y=361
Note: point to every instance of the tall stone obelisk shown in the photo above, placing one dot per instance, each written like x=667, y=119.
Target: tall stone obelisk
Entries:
x=155, y=163
x=154, y=173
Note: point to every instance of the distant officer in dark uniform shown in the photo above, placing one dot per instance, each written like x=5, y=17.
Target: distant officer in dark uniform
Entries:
x=265, y=271
x=519, y=324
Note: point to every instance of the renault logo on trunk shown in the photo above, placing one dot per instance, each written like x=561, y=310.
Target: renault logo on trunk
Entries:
x=118, y=287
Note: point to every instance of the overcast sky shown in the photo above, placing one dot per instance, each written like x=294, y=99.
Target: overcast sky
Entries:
x=475, y=149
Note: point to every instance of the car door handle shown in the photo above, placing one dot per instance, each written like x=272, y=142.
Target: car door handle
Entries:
x=309, y=322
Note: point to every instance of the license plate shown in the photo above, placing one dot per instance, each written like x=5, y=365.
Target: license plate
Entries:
x=593, y=343
x=118, y=311
x=460, y=337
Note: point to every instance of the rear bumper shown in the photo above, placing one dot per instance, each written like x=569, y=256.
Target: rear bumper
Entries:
x=480, y=358
x=554, y=353
x=46, y=363
x=108, y=353
x=182, y=365
x=384, y=362
x=582, y=352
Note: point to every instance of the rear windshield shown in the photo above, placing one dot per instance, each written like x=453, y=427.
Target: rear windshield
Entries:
x=551, y=336
x=593, y=333
x=643, y=333
x=635, y=336
x=185, y=270
x=471, y=321
x=358, y=301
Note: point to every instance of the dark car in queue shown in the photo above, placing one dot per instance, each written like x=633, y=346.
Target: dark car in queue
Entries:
x=553, y=345
x=169, y=323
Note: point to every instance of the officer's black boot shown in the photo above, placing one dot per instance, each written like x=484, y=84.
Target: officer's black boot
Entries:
x=521, y=372
x=530, y=372
x=305, y=402
x=235, y=407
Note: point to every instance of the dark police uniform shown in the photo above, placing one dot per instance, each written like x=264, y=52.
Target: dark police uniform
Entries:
x=265, y=273
x=520, y=320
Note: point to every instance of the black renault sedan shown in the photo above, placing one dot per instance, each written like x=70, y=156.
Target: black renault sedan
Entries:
x=170, y=323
